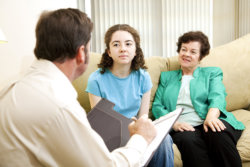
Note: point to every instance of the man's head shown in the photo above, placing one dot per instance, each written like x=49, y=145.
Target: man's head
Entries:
x=60, y=34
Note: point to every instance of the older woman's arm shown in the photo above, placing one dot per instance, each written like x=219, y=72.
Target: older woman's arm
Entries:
x=217, y=102
x=158, y=109
x=212, y=120
x=217, y=92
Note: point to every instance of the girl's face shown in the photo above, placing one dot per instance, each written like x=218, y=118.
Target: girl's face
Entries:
x=189, y=55
x=122, y=47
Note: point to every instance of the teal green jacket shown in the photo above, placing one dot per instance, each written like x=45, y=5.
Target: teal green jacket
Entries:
x=206, y=91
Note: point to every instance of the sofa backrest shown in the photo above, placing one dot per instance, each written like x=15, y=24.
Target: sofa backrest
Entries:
x=155, y=66
x=80, y=83
x=233, y=58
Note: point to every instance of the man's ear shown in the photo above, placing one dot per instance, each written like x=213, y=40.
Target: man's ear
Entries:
x=80, y=56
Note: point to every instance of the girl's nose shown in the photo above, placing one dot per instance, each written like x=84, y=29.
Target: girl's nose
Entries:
x=122, y=48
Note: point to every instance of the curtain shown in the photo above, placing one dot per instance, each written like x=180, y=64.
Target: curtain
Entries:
x=159, y=22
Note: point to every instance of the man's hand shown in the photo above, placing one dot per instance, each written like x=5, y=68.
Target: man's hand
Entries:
x=182, y=126
x=144, y=127
x=212, y=121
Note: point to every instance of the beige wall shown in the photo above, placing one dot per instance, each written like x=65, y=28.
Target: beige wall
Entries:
x=17, y=20
x=231, y=20
x=223, y=21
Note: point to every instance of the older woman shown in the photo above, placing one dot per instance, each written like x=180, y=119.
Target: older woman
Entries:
x=206, y=134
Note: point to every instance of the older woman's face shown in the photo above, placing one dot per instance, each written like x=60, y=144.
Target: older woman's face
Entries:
x=189, y=55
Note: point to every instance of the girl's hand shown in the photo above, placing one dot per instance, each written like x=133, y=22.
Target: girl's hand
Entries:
x=182, y=126
x=212, y=121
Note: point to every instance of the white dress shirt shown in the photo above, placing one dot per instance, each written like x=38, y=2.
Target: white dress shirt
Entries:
x=42, y=124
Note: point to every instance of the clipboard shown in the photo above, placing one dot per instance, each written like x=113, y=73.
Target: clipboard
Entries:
x=163, y=125
x=109, y=124
x=113, y=127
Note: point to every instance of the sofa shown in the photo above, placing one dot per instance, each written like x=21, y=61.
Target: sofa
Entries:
x=233, y=58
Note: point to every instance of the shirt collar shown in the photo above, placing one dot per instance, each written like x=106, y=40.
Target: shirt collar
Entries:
x=195, y=74
x=58, y=82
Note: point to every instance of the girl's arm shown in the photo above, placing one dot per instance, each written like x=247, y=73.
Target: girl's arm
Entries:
x=144, y=109
x=93, y=99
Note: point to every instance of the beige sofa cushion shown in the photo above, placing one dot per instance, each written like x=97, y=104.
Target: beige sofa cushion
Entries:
x=243, y=144
x=155, y=66
x=177, y=157
x=234, y=59
x=80, y=83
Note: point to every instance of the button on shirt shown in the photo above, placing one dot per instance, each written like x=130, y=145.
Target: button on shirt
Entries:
x=42, y=124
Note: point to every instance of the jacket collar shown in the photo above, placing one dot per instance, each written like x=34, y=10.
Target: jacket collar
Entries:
x=195, y=74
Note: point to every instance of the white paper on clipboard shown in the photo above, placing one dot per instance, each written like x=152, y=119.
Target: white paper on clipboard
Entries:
x=163, y=126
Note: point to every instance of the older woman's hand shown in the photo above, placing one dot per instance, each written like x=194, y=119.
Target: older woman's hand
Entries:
x=182, y=126
x=212, y=121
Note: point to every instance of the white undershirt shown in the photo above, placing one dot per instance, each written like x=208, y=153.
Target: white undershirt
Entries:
x=188, y=115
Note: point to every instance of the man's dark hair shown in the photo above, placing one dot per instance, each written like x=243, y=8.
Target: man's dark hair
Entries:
x=60, y=33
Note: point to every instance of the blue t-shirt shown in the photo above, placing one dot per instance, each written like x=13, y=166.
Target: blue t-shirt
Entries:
x=125, y=93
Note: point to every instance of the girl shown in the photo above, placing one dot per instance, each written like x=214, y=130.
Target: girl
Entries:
x=123, y=80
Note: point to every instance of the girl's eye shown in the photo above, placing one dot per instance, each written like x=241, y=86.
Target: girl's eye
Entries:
x=115, y=44
x=129, y=44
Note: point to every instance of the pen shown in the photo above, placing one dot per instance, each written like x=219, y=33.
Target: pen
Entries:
x=163, y=119
x=134, y=119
